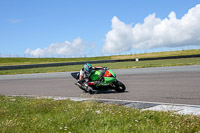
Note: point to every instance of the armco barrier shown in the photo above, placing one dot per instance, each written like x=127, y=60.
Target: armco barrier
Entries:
x=92, y=62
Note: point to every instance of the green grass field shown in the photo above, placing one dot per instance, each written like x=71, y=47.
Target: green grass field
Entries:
x=27, y=61
x=159, y=54
x=20, y=115
x=24, y=61
x=119, y=65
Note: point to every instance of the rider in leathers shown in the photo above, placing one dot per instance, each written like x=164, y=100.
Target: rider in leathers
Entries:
x=85, y=74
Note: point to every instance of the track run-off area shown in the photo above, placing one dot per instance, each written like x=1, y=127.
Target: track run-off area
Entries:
x=171, y=85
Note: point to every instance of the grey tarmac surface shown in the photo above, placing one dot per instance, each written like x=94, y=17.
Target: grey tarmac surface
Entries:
x=179, y=85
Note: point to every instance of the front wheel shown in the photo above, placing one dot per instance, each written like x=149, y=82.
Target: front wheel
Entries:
x=119, y=86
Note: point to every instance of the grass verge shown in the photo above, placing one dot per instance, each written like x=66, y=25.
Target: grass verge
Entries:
x=26, y=61
x=20, y=114
x=119, y=65
x=158, y=54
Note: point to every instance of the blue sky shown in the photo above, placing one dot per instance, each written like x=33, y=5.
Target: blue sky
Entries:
x=89, y=27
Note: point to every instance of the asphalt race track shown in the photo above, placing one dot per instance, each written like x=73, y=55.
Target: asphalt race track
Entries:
x=179, y=85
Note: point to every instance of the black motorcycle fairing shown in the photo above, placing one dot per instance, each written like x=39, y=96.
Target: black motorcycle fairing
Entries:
x=75, y=75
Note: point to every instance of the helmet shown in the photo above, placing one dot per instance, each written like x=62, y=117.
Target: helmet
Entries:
x=88, y=67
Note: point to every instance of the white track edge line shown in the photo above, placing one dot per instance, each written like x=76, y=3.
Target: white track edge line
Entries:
x=114, y=100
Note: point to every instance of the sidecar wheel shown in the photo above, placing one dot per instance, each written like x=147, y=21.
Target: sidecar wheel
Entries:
x=119, y=86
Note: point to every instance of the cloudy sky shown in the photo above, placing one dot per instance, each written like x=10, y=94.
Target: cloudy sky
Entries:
x=73, y=28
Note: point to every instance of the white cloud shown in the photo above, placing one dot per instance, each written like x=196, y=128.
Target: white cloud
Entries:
x=154, y=32
x=74, y=48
